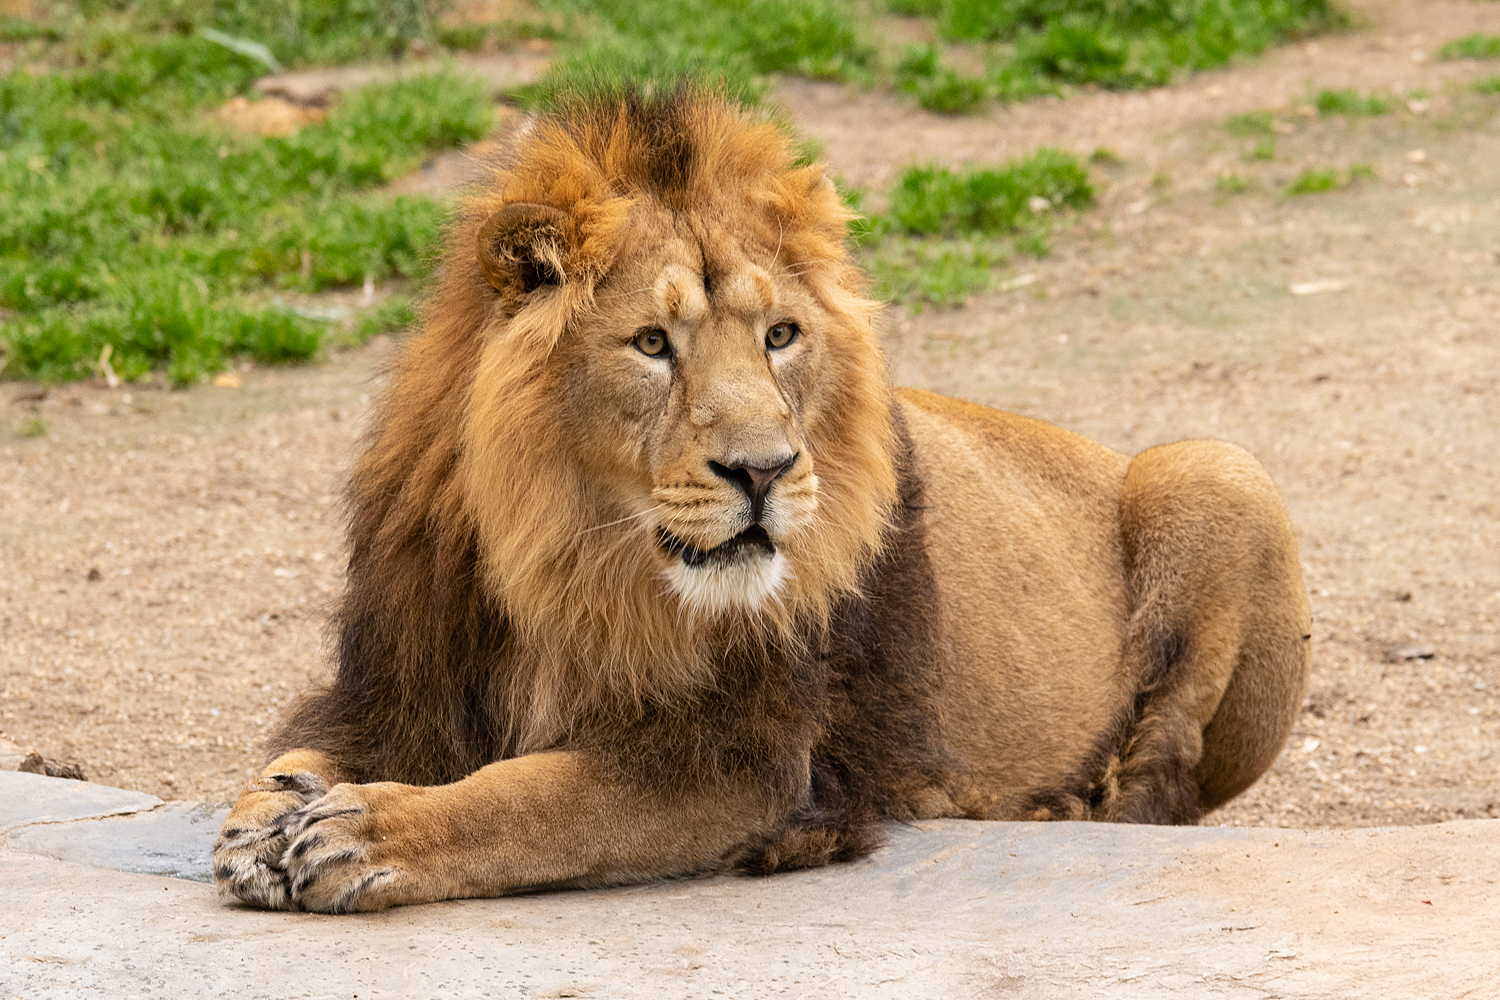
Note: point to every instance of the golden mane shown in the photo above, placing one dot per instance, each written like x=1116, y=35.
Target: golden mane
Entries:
x=467, y=497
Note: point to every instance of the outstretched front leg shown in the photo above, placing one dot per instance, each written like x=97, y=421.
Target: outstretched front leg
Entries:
x=253, y=840
x=549, y=819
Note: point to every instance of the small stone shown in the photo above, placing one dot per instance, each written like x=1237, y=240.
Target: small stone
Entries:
x=1401, y=654
x=1318, y=287
x=35, y=763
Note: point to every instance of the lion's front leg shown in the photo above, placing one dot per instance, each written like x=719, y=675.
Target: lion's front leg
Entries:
x=542, y=820
x=248, y=853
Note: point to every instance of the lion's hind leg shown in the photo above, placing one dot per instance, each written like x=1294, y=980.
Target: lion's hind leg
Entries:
x=1217, y=634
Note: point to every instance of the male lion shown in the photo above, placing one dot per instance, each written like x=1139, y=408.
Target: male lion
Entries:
x=652, y=572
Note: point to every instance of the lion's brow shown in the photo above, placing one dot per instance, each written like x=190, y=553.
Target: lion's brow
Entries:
x=749, y=290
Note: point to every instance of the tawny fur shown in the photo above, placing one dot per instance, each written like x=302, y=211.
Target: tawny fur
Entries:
x=968, y=613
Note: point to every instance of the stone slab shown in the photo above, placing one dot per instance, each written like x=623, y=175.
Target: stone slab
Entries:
x=175, y=839
x=948, y=909
x=35, y=798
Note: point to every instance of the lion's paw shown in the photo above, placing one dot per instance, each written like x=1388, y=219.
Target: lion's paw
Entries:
x=337, y=861
x=248, y=854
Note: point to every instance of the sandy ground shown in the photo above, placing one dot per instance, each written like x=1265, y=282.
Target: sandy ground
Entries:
x=167, y=559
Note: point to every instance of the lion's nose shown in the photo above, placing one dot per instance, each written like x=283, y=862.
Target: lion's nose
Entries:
x=753, y=480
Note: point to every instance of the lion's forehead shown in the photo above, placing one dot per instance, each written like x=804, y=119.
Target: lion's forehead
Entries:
x=683, y=294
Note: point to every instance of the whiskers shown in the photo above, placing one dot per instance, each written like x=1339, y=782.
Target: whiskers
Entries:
x=631, y=517
x=803, y=266
x=620, y=295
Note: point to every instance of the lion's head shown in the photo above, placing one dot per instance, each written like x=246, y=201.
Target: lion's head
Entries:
x=651, y=390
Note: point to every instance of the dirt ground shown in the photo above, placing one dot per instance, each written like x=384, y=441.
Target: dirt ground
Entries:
x=167, y=559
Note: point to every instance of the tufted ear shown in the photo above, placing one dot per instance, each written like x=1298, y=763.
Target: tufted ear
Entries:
x=522, y=246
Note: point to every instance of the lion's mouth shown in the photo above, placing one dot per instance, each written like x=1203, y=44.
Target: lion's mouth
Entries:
x=752, y=539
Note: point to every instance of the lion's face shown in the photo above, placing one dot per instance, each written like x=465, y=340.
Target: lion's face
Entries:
x=679, y=413
x=688, y=388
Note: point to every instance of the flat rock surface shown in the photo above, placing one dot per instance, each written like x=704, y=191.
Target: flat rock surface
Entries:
x=174, y=839
x=949, y=908
x=35, y=798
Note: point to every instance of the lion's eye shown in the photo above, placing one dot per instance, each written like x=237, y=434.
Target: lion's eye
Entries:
x=652, y=343
x=781, y=335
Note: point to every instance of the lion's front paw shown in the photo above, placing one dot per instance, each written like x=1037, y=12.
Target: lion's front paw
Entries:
x=253, y=840
x=337, y=860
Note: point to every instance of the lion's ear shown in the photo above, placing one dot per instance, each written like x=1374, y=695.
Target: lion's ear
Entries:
x=523, y=246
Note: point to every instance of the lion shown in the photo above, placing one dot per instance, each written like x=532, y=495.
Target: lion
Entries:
x=652, y=572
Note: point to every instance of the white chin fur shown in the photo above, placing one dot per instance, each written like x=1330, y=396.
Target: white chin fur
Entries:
x=745, y=584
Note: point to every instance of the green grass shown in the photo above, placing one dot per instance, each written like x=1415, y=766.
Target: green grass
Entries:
x=1263, y=150
x=1228, y=185
x=1316, y=181
x=506, y=34
x=395, y=315
x=1037, y=46
x=945, y=230
x=1489, y=85
x=1325, y=179
x=1134, y=44
x=730, y=42
x=915, y=8
x=1351, y=102
x=304, y=32
x=1252, y=124
x=939, y=272
x=936, y=200
x=19, y=29
x=1475, y=46
x=130, y=218
x=940, y=89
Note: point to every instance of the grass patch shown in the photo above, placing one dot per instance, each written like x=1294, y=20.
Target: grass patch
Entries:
x=1351, y=103
x=1329, y=179
x=307, y=32
x=1489, y=85
x=940, y=272
x=940, y=89
x=1018, y=197
x=935, y=87
x=34, y=428
x=130, y=219
x=1129, y=45
x=1475, y=46
x=1262, y=151
x=1252, y=124
x=946, y=230
x=491, y=35
x=1228, y=185
x=20, y=29
x=915, y=8
x=732, y=43
x=395, y=315
x=1316, y=181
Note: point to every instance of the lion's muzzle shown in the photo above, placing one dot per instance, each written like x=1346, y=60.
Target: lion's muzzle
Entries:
x=754, y=480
